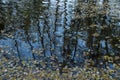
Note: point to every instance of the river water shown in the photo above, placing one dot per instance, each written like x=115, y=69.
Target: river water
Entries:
x=63, y=28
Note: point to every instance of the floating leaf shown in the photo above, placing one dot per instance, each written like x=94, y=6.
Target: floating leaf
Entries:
x=96, y=34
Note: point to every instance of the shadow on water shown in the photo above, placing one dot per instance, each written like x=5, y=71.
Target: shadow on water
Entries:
x=65, y=29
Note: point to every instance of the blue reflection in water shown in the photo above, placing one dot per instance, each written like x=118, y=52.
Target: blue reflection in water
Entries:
x=55, y=29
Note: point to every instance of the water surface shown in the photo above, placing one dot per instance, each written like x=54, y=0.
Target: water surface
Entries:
x=63, y=28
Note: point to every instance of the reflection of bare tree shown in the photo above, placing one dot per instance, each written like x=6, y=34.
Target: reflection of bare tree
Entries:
x=2, y=24
x=16, y=44
x=57, y=48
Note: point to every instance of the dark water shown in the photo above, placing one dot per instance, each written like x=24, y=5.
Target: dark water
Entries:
x=62, y=28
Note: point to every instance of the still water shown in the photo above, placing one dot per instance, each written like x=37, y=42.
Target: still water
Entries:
x=63, y=28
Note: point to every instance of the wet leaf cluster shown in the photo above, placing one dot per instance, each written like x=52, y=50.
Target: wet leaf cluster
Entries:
x=15, y=69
